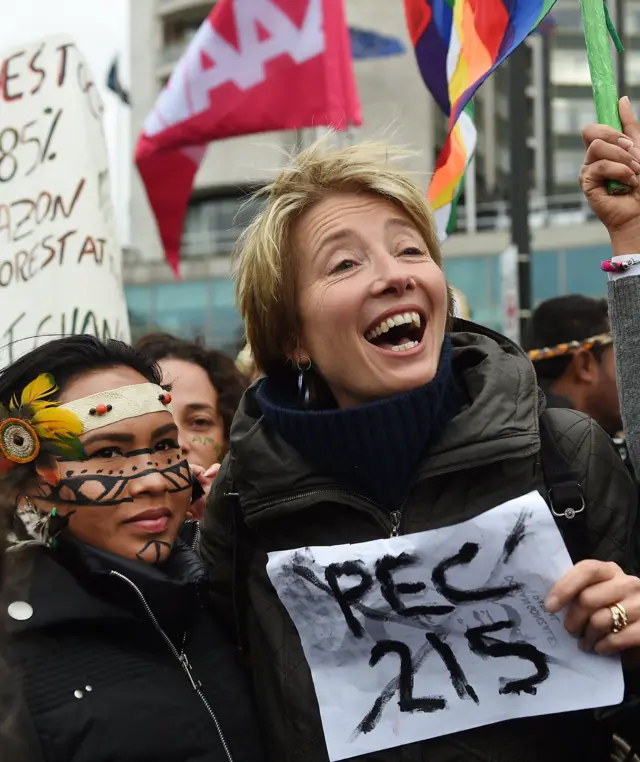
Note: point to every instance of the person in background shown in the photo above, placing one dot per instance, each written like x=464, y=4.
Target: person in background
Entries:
x=116, y=653
x=569, y=341
x=380, y=415
x=206, y=389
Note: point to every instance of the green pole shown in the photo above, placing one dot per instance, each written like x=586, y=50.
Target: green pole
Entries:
x=603, y=79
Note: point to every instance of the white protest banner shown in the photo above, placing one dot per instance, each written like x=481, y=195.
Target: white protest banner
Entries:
x=429, y=634
x=60, y=262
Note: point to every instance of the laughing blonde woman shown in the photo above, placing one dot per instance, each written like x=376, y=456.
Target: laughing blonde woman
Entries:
x=379, y=416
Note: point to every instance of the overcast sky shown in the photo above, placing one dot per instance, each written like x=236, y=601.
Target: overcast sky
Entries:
x=101, y=30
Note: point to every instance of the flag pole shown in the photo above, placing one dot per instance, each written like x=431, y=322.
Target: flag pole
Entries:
x=597, y=28
x=621, y=65
x=519, y=154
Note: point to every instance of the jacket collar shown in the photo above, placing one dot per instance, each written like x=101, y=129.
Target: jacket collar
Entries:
x=501, y=422
x=73, y=583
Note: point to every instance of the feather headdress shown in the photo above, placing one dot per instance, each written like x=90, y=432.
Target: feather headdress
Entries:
x=34, y=429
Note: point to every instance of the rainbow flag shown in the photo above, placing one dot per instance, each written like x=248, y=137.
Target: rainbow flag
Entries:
x=458, y=43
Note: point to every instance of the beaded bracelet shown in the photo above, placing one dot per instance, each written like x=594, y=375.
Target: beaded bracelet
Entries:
x=609, y=266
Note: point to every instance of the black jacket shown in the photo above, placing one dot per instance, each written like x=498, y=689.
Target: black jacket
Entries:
x=267, y=497
x=99, y=659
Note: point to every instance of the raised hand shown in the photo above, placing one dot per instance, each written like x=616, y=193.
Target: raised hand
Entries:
x=613, y=155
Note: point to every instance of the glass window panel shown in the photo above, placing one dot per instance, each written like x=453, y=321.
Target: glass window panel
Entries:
x=583, y=270
x=140, y=308
x=213, y=224
x=567, y=165
x=225, y=329
x=181, y=309
x=544, y=276
x=632, y=66
x=571, y=115
x=568, y=18
x=477, y=279
x=569, y=67
x=632, y=19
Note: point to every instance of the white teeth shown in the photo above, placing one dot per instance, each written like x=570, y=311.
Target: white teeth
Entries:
x=407, y=318
x=404, y=347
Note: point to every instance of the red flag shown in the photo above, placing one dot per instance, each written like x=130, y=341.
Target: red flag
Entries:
x=253, y=66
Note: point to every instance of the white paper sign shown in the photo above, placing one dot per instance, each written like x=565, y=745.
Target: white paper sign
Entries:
x=60, y=262
x=428, y=634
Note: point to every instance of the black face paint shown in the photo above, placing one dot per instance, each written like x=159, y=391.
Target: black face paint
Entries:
x=153, y=548
x=113, y=487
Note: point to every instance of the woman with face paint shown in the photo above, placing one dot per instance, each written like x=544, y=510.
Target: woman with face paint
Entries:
x=107, y=630
x=381, y=416
x=206, y=389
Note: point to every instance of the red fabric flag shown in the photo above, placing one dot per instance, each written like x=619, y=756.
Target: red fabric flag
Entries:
x=253, y=66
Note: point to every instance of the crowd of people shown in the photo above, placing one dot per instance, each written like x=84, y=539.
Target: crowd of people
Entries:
x=144, y=487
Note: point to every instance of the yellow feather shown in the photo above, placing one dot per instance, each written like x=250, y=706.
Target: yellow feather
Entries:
x=34, y=393
x=53, y=422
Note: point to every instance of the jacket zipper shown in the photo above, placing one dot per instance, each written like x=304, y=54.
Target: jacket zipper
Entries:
x=196, y=537
x=395, y=516
x=181, y=657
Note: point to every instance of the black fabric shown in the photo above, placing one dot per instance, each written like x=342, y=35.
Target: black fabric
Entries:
x=556, y=401
x=373, y=447
x=490, y=453
x=563, y=493
x=91, y=636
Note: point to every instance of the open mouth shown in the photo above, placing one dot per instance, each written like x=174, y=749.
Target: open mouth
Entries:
x=399, y=333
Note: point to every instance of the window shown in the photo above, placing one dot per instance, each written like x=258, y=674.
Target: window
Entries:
x=583, y=270
x=571, y=115
x=183, y=308
x=632, y=66
x=189, y=310
x=212, y=224
x=544, y=276
x=567, y=166
x=179, y=29
x=477, y=278
x=632, y=19
x=140, y=309
x=569, y=19
x=569, y=67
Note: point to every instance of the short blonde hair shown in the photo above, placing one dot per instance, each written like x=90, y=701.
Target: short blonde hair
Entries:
x=266, y=269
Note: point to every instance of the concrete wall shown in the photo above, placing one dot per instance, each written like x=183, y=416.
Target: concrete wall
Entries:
x=146, y=41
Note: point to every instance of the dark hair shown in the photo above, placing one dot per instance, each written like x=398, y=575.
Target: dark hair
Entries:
x=565, y=318
x=67, y=358
x=227, y=380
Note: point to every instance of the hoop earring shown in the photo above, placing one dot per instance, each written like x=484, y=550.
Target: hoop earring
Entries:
x=304, y=365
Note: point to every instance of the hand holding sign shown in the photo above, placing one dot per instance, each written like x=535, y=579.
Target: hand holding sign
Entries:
x=424, y=635
x=590, y=591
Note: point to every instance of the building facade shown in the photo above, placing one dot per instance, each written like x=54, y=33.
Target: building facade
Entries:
x=396, y=107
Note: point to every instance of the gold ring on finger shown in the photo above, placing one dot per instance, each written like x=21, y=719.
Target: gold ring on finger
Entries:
x=619, y=616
